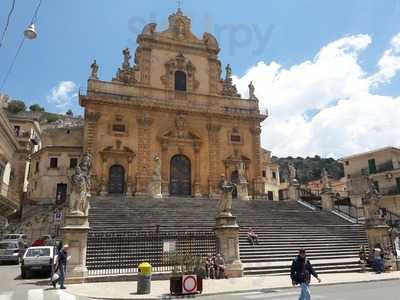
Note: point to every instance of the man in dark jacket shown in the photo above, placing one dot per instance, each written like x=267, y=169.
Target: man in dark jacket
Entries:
x=61, y=267
x=301, y=272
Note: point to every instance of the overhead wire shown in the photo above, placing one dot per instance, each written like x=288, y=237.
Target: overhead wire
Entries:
x=3, y=35
x=34, y=18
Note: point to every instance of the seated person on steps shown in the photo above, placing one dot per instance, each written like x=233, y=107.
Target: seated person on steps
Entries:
x=252, y=236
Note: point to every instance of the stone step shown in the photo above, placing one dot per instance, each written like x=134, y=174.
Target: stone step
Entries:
x=283, y=227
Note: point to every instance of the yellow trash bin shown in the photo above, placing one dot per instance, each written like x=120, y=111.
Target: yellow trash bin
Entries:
x=144, y=278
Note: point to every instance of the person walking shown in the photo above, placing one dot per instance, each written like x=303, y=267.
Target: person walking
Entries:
x=61, y=267
x=301, y=272
x=379, y=262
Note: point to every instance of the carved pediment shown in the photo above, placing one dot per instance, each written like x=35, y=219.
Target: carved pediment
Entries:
x=180, y=63
x=117, y=150
x=175, y=134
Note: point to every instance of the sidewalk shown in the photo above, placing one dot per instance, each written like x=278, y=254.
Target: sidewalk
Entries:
x=160, y=288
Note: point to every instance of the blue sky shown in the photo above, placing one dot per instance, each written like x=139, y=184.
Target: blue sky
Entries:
x=71, y=33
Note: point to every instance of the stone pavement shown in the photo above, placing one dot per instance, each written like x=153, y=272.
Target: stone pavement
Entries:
x=160, y=288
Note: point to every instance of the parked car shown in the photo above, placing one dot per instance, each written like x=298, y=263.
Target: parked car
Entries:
x=41, y=241
x=16, y=236
x=38, y=259
x=11, y=250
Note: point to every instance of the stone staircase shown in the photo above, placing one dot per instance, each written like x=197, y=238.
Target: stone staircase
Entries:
x=332, y=243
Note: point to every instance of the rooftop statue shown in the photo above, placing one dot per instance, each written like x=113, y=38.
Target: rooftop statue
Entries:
x=95, y=69
x=127, y=56
x=251, y=91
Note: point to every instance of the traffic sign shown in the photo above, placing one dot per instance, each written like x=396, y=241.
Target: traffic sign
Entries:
x=189, y=284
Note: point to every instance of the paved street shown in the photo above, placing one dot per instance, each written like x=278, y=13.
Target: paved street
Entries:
x=384, y=290
x=12, y=287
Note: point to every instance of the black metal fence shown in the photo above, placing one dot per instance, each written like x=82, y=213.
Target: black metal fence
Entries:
x=122, y=252
x=354, y=212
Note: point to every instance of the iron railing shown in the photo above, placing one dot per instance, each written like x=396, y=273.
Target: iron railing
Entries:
x=392, y=219
x=311, y=198
x=354, y=212
x=122, y=252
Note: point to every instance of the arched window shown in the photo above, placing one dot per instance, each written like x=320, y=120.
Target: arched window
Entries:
x=180, y=81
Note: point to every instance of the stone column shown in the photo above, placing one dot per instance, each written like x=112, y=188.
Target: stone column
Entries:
x=213, y=158
x=196, y=148
x=327, y=200
x=75, y=235
x=103, y=191
x=144, y=122
x=294, y=193
x=90, y=134
x=227, y=233
x=129, y=189
x=164, y=170
x=259, y=186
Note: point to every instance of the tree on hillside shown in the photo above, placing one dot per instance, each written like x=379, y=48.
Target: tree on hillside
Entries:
x=36, y=107
x=16, y=106
x=309, y=168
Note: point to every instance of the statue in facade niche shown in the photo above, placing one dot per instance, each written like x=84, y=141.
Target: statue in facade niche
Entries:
x=127, y=57
x=225, y=203
x=95, y=69
x=157, y=169
x=79, y=204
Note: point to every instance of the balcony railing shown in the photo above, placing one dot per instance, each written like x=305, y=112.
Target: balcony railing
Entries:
x=384, y=167
x=390, y=191
x=381, y=168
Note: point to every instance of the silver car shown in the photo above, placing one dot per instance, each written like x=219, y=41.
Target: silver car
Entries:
x=38, y=259
x=11, y=250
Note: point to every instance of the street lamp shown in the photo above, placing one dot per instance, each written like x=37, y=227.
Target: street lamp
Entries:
x=30, y=33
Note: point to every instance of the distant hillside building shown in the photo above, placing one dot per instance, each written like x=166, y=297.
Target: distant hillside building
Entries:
x=338, y=187
x=270, y=174
x=53, y=166
x=383, y=167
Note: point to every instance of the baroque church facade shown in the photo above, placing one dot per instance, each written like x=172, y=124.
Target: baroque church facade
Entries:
x=169, y=113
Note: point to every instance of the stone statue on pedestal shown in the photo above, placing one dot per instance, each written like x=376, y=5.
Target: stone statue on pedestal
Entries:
x=241, y=171
x=79, y=204
x=292, y=173
x=225, y=203
x=325, y=180
x=95, y=69
x=371, y=203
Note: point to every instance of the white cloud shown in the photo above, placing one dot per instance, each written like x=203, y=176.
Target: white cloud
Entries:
x=325, y=106
x=63, y=94
x=389, y=64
